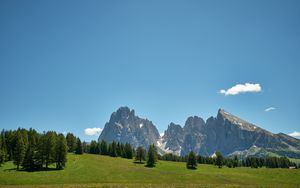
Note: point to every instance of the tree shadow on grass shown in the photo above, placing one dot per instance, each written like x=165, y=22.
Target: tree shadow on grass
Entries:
x=138, y=162
x=10, y=169
x=149, y=166
x=33, y=170
x=192, y=168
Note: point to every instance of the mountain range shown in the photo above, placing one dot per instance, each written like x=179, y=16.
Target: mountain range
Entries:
x=226, y=133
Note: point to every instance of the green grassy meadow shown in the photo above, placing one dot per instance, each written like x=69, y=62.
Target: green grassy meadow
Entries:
x=102, y=171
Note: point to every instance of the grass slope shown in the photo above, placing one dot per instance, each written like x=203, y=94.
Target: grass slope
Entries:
x=101, y=171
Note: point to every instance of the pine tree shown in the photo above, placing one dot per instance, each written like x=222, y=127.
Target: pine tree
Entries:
x=229, y=163
x=191, y=161
x=50, y=144
x=78, y=147
x=93, y=147
x=41, y=151
x=1, y=153
x=103, y=148
x=235, y=161
x=61, y=151
x=113, y=149
x=119, y=149
x=97, y=150
x=71, y=142
x=140, y=154
x=29, y=162
x=10, y=143
x=2, y=157
x=219, y=159
x=152, y=156
x=85, y=147
x=128, y=151
x=3, y=147
x=253, y=162
x=20, y=149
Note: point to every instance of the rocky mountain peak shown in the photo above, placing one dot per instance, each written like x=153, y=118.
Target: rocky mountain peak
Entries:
x=194, y=123
x=123, y=113
x=226, y=117
x=172, y=139
x=124, y=126
x=173, y=130
x=222, y=114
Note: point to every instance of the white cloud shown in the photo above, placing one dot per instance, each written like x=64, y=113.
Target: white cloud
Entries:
x=270, y=109
x=162, y=134
x=92, y=131
x=295, y=134
x=241, y=88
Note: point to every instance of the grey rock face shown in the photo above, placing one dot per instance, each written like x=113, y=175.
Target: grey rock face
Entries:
x=225, y=133
x=174, y=137
x=124, y=126
x=193, y=135
x=231, y=135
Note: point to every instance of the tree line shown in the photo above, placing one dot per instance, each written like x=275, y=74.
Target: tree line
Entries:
x=32, y=150
x=114, y=149
x=124, y=150
x=231, y=162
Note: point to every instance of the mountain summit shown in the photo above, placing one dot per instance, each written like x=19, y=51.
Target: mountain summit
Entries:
x=124, y=126
x=226, y=133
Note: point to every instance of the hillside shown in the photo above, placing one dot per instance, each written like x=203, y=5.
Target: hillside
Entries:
x=101, y=171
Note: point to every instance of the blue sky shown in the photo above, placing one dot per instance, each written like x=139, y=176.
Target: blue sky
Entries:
x=67, y=65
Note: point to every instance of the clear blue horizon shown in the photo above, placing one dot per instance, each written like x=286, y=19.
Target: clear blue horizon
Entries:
x=67, y=65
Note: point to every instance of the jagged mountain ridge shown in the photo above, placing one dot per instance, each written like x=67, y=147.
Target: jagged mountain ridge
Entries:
x=226, y=133
x=124, y=126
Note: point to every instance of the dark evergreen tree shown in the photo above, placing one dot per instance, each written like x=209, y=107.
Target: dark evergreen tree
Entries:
x=219, y=159
x=172, y=157
x=3, y=147
x=20, y=150
x=152, y=156
x=119, y=150
x=50, y=142
x=109, y=150
x=97, y=150
x=284, y=162
x=229, y=163
x=2, y=156
x=253, y=162
x=260, y=162
x=235, y=161
x=29, y=162
x=41, y=151
x=103, y=148
x=10, y=143
x=29, y=159
x=71, y=142
x=78, y=149
x=85, y=147
x=140, y=154
x=61, y=151
x=200, y=159
x=191, y=161
x=93, y=147
x=128, y=151
x=113, y=149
